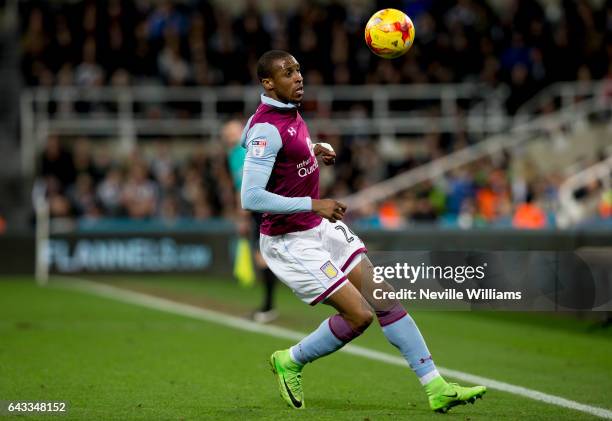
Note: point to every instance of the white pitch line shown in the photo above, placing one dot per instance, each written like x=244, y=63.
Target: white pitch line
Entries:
x=169, y=306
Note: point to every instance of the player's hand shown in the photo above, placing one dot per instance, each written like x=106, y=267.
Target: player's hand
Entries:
x=329, y=209
x=325, y=152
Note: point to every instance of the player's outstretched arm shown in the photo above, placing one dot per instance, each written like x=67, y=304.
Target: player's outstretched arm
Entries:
x=329, y=209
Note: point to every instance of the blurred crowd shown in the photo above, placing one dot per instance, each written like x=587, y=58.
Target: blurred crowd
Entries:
x=89, y=43
x=196, y=42
x=482, y=194
x=87, y=182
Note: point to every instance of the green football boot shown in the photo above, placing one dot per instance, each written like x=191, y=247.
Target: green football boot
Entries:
x=289, y=376
x=443, y=396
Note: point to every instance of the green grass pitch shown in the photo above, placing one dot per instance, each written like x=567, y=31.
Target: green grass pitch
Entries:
x=116, y=361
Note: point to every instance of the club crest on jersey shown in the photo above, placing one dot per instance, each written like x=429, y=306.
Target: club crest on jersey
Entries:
x=329, y=270
x=259, y=147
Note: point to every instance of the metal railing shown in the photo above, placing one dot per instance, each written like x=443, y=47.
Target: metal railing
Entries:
x=388, y=110
x=566, y=95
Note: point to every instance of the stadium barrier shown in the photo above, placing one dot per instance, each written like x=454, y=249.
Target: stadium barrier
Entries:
x=212, y=251
x=18, y=254
x=572, y=266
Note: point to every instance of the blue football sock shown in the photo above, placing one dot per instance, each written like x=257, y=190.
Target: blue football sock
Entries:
x=330, y=336
x=404, y=334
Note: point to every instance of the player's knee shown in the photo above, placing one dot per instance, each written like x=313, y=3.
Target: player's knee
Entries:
x=367, y=319
x=390, y=312
x=361, y=320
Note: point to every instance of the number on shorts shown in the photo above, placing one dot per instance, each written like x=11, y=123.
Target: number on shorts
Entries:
x=341, y=228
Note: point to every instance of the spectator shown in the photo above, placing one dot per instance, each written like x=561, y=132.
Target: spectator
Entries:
x=169, y=187
x=35, y=46
x=423, y=211
x=57, y=162
x=529, y=215
x=605, y=205
x=166, y=17
x=169, y=209
x=59, y=206
x=109, y=192
x=143, y=56
x=82, y=194
x=173, y=68
x=389, y=215
x=89, y=72
x=139, y=195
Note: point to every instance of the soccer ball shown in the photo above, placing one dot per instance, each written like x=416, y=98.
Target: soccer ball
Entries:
x=389, y=33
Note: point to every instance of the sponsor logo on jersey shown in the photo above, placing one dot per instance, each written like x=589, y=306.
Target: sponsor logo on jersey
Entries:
x=304, y=171
x=329, y=270
x=259, y=147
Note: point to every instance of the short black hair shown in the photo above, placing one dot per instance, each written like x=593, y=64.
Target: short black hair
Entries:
x=264, y=64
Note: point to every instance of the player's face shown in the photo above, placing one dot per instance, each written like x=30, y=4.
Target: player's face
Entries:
x=287, y=81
